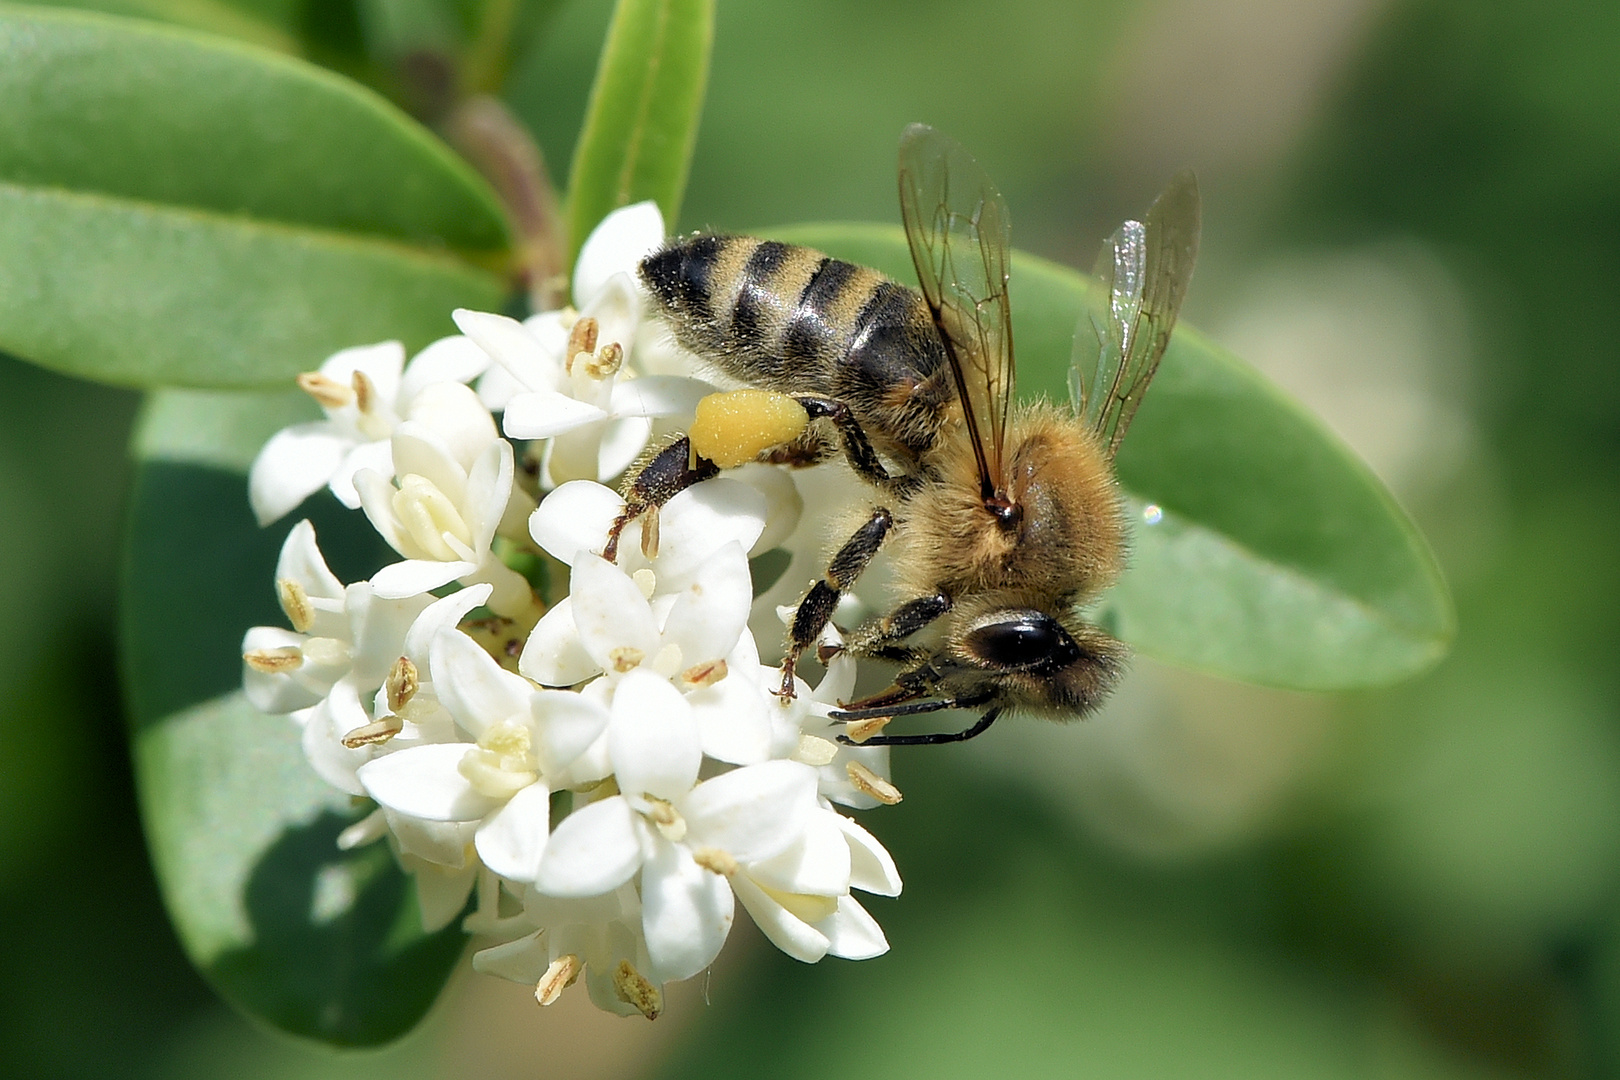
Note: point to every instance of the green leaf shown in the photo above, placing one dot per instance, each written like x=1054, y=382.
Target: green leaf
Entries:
x=176, y=208
x=642, y=119
x=213, y=16
x=316, y=941
x=1279, y=557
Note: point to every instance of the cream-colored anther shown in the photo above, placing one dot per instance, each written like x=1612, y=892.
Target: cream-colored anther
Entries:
x=607, y=361
x=633, y=989
x=646, y=581
x=328, y=393
x=295, y=604
x=558, y=977
x=274, y=661
x=581, y=339
x=858, y=731
x=716, y=861
x=872, y=784
x=378, y=731
x=428, y=515
x=365, y=394
x=666, y=819
x=326, y=652
x=704, y=674
x=402, y=683
x=814, y=750
x=667, y=660
x=626, y=658
x=372, y=421
x=649, y=532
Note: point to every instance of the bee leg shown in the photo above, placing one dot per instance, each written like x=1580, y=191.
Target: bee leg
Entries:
x=857, y=447
x=816, y=609
x=881, y=637
x=658, y=479
x=934, y=739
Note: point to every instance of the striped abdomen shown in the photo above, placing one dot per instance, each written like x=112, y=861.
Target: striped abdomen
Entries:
x=791, y=319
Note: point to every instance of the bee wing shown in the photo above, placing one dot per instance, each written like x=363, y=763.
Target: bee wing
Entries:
x=958, y=228
x=1144, y=269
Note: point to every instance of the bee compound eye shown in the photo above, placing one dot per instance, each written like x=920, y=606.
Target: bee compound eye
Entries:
x=1022, y=640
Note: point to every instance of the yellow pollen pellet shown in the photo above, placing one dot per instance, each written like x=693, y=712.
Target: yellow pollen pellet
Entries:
x=735, y=427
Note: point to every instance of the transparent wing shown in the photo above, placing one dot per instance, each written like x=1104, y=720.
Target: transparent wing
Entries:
x=1144, y=269
x=958, y=228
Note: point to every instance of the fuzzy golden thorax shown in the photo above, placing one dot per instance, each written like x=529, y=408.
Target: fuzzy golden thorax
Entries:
x=1066, y=541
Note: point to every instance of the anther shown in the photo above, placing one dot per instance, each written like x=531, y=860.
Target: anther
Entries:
x=633, y=989
x=646, y=581
x=581, y=339
x=378, y=731
x=365, y=395
x=274, y=661
x=607, y=361
x=872, y=784
x=329, y=393
x=327, y=652
x=816, y=751
x=295, y=604
x=626, y=658
x=858, y=731
x=402, y=683
x=666, y=819
x=667, y=661
x=649, y=533
x=558, y=977
x=715, y=861
x=705, y=674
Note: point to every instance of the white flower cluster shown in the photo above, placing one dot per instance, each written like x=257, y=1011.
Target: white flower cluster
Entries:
x=610, y=771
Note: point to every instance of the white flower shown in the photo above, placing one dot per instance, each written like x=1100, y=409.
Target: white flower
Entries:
x=365, y=396
x=572, y=378
x=443, y=516
x=684, y=839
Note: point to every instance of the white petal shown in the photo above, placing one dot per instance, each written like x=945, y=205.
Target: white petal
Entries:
x=450, y=359
x=293, y=465
x=818, y=863
x=733, y=719
x=871, y=867
x=380, y=362
x=377, y=500
x=510, y=345
x=441, y=893
x=522, y=960
x=454, y=413
x=658, y=395
x=554, y=655
x=416, y=577
x=441, y=843
x=838, y=684
x=704, y=518
x=477, y=690
x=279, y=693
x=425, y=782
x=620, y=444
x=712, y=610
x=610, y=613
x=617, y=245
x=653, y=740
x=575, y=517
x=852, y=933
x=686, y=912
x=594, y=849
x=568, y=723
x=419, y=449
x=301, y=561
x=337, y=715
x=753, y=812
x=540, y=414
x=783, y=503
x=489, y=488
x=378, y=456
x=784, y=929
x=512, y=840
x=378, y=626
x=439, y=616
x=497, y=386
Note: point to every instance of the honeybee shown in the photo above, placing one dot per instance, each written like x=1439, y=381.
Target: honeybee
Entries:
x=1002, y=521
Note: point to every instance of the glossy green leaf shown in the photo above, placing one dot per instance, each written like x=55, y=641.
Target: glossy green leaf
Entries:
x=313, y=940
x=241, y=21
x=176, y=208
x=1279, y=558
x=642, y=120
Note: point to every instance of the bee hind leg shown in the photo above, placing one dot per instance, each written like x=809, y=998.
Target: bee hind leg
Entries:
x=816, y=609
x=653, y=482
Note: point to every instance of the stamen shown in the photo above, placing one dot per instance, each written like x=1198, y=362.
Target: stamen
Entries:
x=581, y=339
x=378, y=731
x=715, y=861
x=858, y=731
x=666, y=819
x=402, y=683
x=626, y=658
x=706, y=674
x=365, y=394
x=872, y=784
x=607, y=361
x=429, y=516
x=558, y=977
x=633, y=988
x=328, y=393
x=492, y=773
x=649, y=532
x=295, y=604
x=646, y=581
x=274, y=661
x=816, y=751
x=667, y=661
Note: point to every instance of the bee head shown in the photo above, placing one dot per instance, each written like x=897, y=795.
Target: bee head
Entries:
x=1027, y=659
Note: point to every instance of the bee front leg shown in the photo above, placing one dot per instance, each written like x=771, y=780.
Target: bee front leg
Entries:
x=655, y=481
x=816, y=609
x=882, y=637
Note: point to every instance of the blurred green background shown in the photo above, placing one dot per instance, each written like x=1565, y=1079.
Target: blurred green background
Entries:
x=1413, y=224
